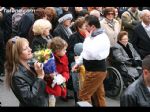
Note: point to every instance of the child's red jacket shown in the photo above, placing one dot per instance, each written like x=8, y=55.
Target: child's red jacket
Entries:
x=62, y=68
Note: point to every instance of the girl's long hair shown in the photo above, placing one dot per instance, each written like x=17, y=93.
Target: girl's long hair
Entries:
x=13, y=50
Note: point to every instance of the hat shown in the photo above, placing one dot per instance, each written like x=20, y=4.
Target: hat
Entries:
x=65, y=16
x=78, y=48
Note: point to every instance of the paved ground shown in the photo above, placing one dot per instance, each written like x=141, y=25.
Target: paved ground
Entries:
x=8, y=99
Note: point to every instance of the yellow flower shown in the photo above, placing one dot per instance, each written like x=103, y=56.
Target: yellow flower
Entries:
x=42, y=55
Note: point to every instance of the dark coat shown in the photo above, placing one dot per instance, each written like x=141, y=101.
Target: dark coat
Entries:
x=74, y=39
x=120, y=55
x=38, y=42
x=32, y=37
x=136, y=94
x=29, y=89
x=25, y=24
x=7, y=25
x=141, y=41
x=2, y=50
x=59, y=31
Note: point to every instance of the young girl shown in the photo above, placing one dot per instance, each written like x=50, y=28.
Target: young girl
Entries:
x=59, y=46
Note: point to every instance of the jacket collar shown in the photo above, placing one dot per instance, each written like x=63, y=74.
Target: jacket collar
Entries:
x=60, y=59
x=144, y=89
x=25, y=71
x=22, y=68
x=97, y=32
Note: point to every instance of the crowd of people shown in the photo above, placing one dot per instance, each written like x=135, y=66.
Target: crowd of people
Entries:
x=124, y=31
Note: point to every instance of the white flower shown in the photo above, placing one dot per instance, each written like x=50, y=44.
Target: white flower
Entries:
x=58, y=79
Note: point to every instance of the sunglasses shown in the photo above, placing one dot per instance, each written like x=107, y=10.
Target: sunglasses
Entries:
x=110, y=13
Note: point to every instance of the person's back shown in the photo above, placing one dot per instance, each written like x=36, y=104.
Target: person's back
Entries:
x=25, y=23
x=135, y=95
x=16, y=17
x=138, y=93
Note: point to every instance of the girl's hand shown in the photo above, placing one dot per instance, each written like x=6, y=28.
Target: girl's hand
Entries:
x=52, y=75
x=39, y=70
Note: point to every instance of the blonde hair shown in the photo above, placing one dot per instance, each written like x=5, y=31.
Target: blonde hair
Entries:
x=40, y=25
x=13, y=51
x=57, y=43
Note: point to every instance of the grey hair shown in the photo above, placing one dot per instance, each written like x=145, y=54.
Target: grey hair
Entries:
x=143, y=12
x=95, y=13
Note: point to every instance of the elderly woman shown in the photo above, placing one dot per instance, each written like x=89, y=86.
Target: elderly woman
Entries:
x=124, y=52
x=110, y=25
x=41, y=29
x=38, y=14
x=63, y=28
x=25, y=81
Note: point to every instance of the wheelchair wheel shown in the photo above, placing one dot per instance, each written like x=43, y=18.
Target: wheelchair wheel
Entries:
x=113, y=83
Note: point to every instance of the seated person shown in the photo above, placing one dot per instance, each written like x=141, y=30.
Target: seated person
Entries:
x=124, y=52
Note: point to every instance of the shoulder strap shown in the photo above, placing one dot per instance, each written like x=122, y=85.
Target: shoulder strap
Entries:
x=131, y=14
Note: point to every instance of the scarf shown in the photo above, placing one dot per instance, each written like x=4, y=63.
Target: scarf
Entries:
x=83, y=34
x=67, y=31
x=110, y=23
x=127, y=49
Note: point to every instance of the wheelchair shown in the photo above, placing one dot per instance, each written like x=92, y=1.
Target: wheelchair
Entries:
x=117, y=79
x=113, y=83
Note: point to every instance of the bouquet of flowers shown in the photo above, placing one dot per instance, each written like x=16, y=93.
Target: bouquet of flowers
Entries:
x=46, y=57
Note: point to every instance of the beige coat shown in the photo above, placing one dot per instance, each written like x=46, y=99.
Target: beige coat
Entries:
x=112, y=34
